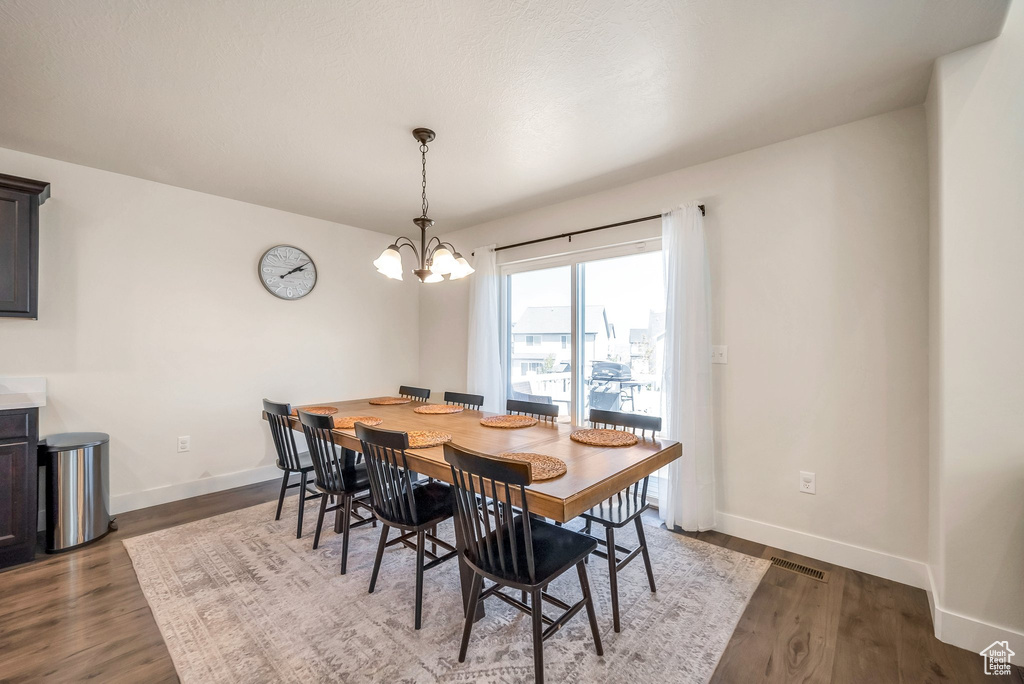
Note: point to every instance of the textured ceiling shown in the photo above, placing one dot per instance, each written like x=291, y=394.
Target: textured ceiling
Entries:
x=308, y=106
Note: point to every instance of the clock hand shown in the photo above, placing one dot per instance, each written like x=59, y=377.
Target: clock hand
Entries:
x=297, y=268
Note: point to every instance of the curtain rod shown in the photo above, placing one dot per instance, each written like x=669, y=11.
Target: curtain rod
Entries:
x=587, y=230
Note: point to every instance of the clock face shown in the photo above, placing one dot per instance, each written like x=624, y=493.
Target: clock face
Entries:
x=287, y=272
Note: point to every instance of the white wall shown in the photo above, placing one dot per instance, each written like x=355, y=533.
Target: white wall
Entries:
x=153, y=324
x=976, y=121
x=819, y=267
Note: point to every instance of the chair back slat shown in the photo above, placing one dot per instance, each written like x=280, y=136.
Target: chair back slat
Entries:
x=333, y=464
x=631, y=421
x=279, y=418
x=508, y=527
x=636, y=492
x=469, y=401
x=546, y=412
x=391, y=482
x=415, y=393
x=497, y=540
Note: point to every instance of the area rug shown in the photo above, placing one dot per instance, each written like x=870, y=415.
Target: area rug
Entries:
x=239, y=599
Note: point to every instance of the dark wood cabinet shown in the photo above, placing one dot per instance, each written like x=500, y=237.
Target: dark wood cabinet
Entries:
x=19, y=435
x=19, y=245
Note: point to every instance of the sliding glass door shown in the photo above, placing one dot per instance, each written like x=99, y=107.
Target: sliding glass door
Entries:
x=538, y=337
x=586, y=331
x=623, y=303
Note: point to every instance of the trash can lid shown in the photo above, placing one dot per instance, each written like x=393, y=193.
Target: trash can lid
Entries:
x=75, y=440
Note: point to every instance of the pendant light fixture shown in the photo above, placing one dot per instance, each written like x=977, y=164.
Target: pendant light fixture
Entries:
x=435, y=259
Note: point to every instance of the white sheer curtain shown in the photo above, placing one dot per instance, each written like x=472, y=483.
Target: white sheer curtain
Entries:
x=689, y=499
x=483, y=366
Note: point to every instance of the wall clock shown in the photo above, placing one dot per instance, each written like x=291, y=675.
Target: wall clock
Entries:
x=287, y=272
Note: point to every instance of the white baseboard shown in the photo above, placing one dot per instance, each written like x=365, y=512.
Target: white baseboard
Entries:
x=871, y=561
x=131, y=501
x=964, y=631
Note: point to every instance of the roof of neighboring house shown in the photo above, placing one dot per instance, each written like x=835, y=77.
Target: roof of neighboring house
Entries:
x=558, y=320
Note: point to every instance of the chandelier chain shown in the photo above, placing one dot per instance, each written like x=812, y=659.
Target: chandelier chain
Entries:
x=423, y=155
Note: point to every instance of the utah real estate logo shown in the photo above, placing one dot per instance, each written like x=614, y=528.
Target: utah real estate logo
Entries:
x=997, y=658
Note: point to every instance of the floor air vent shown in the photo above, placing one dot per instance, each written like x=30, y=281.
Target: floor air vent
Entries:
x=813, y=573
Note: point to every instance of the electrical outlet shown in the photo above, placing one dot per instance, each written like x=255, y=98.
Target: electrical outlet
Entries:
x=806, y=482
x=720, y=354
x=184, y=443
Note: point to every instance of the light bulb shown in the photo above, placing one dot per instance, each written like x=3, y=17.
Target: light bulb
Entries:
x=442, y=262
x=462, y=269
x=433, y=278
x=389, y=263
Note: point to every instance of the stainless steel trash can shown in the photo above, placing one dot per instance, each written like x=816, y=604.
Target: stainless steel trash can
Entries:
x=77, y=489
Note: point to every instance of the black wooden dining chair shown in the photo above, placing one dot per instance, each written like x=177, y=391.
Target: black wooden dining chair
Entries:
x=505, y=546
x=469, y=401
x=543, y=412
x=414, y=393
x=289, y=458
x=413, y=508
x=339, y=475
x=624, y=507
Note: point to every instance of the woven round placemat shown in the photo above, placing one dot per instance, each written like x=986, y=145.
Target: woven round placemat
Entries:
x=389, y=401
x=421, y=439
x=608, y=438
x=349, y=422
x=541, y=467
x=438, y=409
x=508, y=422
x=318, y=410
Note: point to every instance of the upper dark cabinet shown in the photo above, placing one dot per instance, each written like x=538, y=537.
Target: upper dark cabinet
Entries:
x=19, y=245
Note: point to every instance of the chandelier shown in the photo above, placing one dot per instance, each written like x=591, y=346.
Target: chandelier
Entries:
x=435, y=258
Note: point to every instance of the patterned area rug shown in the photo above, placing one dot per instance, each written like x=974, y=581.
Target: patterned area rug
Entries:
x=239, y=599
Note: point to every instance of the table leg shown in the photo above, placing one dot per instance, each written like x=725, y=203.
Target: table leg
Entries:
x=465, y=572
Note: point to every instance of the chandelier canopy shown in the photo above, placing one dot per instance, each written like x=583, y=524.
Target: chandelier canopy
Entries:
x=435, y=258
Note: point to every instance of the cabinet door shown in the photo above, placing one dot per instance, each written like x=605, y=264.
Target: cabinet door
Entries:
x=18, y=515
x=19, y=254
x=13, y=493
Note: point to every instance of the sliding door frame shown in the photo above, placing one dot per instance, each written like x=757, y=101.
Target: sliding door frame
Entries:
x=576, y=262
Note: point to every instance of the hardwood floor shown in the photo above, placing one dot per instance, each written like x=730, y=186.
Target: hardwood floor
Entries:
x=82, y=616
x=855, y=628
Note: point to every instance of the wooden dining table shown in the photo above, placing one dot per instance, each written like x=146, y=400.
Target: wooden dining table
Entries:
x=593, y=474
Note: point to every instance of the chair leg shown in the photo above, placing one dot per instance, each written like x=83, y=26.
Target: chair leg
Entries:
x=421, y=546
x=320, y=522
x=643, y=549
x=346, y=524
x=537, y=612
x=581, y=569
x=474, y=598
x=380, y=554
x=433, y=546
x=280, y=499
x=586, y=530
x=302, y=505
x=613, y=575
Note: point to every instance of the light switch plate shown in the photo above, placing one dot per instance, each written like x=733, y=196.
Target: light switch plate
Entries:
x=720, y=354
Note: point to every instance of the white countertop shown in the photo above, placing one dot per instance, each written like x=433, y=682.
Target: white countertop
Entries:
x=16, y=393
